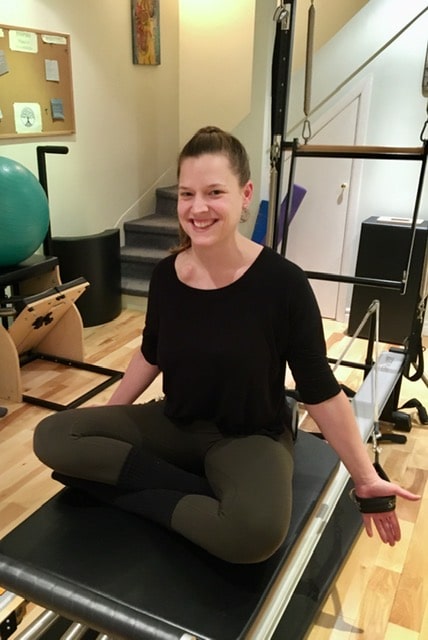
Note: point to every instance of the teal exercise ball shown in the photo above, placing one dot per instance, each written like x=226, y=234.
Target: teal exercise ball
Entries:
x=24, y=213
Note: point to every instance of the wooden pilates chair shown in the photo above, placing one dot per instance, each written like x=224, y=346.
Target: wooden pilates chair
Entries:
x=47, y=326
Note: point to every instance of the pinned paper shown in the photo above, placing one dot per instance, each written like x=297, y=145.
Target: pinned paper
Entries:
x=23, y=41
x=3, y=63
x=28, y=117
x=52, y=39
x=52, y=70
x=57, y=109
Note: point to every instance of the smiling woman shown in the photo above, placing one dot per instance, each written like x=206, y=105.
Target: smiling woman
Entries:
x=213, y=459
x=214, y=189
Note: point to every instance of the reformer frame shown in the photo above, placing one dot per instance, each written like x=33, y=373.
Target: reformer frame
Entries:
x=133, y=579
x=366, y=153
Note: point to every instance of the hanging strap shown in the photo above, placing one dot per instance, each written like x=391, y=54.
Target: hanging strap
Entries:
x=379, y=504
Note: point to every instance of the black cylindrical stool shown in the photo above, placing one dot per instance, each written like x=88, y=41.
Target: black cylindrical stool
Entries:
x=96, y=258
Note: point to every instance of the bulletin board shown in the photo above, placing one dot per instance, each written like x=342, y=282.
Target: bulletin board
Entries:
x=36, y=89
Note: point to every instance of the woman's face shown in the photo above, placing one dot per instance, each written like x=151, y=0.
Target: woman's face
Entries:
x=210, y=199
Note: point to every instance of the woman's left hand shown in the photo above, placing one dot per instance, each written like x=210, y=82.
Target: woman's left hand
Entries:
x=386, y=522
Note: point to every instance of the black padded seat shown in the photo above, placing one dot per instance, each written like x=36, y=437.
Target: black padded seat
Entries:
x=131, y=579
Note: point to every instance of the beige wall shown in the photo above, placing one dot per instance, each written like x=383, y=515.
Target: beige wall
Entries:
x=215, y=66
x=126, y=115
x=130, y=119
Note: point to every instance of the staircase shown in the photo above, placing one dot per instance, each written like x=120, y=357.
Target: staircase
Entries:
x=147, y=241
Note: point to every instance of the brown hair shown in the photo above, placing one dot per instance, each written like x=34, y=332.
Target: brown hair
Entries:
x=215, y=141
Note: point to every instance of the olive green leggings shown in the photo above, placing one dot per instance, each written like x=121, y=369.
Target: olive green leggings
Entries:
x=251, y=476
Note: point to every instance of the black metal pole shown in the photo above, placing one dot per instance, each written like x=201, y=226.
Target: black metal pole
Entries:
x=281, y=74
x=41, y=167
x=289, y=202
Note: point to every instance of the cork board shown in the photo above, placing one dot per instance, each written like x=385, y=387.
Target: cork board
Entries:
x=36, y=89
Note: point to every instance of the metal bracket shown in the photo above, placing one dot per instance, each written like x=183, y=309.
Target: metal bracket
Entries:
x=282, y=15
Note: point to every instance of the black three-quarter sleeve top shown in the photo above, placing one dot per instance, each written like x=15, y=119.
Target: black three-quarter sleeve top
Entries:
x=223, y=352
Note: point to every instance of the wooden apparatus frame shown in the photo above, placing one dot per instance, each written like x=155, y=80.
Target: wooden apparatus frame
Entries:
x=58, y=340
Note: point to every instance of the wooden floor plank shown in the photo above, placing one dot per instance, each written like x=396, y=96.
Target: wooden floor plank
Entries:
x=395, y=632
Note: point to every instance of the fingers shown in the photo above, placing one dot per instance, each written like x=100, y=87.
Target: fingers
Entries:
x=386, y=524
x=368, y=525
x=407, y=495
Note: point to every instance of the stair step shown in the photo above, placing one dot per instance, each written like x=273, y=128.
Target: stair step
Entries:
x=142, y=254
x=147, y=241
x=137, y=267
x=166, y=200
x=154, y=223
x=139, y=262
x=151, y=232
x=135, y=286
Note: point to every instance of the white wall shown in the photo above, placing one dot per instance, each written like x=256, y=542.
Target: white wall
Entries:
x=126, y=115
x=330, y=17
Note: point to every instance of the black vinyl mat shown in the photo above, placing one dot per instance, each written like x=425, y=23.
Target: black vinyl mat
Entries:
x=129, y=578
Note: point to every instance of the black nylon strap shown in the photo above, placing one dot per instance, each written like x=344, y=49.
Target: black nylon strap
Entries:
x=381, y=504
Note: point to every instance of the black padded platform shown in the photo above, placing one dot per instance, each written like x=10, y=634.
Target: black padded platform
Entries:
x=32, y=267
x=131, y=579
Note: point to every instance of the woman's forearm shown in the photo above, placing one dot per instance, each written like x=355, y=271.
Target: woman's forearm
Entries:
x=138, y=376
x=337, y=422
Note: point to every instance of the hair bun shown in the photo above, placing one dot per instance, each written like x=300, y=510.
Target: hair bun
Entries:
x=210, y=129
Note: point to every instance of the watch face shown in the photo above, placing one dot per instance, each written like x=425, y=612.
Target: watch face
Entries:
x=28, y=117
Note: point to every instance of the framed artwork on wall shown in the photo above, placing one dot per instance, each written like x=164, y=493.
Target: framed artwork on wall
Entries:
x=145, y=31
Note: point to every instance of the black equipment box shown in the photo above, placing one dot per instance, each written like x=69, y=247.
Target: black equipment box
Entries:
x=383, y=253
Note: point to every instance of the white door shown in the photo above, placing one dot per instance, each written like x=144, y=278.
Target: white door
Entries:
x=316, y=235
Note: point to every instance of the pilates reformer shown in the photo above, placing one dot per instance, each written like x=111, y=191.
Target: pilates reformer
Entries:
x=116, y=574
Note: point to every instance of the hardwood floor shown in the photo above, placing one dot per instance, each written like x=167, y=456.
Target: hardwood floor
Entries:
x=380, y=594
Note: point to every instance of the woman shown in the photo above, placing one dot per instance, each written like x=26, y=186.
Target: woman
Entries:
x=213, y=460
